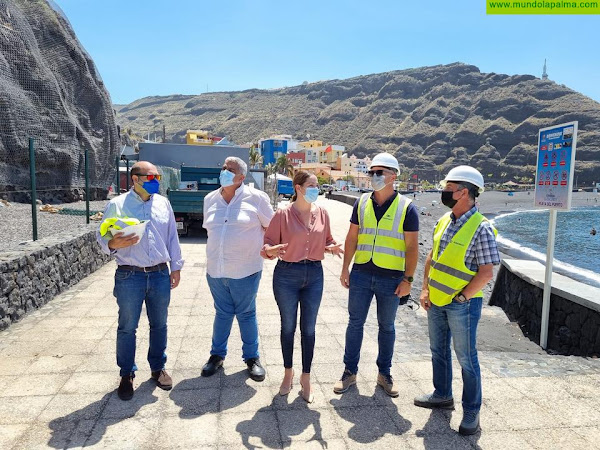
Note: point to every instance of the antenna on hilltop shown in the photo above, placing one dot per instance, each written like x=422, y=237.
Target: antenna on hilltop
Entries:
x=544, y=74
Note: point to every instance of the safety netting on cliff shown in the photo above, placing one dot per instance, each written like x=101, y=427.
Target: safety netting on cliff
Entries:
x=50, y=90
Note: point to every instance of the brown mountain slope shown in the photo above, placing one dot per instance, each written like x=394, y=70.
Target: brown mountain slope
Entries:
x=430, y=117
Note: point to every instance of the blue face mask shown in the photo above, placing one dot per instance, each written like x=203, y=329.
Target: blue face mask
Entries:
x=151, y=187
x=226, y=178
x=311, y=195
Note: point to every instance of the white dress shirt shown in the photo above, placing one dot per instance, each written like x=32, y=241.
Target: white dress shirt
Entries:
x=235, y=232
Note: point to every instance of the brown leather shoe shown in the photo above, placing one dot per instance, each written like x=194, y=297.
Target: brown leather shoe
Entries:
x=388, y=385
x=163, y=379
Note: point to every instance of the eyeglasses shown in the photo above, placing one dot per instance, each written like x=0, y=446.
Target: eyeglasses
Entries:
x=377, y=172
x=149, y=176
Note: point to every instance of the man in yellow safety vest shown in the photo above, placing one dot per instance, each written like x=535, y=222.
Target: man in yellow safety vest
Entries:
x=457, y=268
x=383, y=240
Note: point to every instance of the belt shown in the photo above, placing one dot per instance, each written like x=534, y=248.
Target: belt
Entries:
x=304, y=261
x=155, y=268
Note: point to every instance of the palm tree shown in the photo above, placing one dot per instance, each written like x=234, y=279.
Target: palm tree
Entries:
x=255, y=158
x=283, y=166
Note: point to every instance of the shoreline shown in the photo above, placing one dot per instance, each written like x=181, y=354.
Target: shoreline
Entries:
x=492, y=204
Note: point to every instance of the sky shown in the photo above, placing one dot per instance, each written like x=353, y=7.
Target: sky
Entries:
x=150, y=47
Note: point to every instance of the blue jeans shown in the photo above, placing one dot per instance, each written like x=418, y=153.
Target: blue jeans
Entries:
x=363, y=285
x=132, y=289
x=459, y=322
x=235, y=297
x=293, y=284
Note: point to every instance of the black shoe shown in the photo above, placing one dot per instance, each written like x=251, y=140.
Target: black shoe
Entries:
x=213, y=364
x=255, y=370
x=125, y=391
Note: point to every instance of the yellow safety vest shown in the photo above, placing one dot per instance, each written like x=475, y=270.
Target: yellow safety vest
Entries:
x=116, y=223
x=383, y=241
x=448, y=274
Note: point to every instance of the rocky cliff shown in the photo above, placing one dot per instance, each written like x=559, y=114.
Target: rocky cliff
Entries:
x=431, y=118
x=50, y=90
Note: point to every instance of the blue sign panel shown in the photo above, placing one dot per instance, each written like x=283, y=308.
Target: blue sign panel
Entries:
x=555, y=166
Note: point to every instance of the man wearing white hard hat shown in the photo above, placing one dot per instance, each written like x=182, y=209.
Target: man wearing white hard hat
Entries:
x=383, y=240
x=457, y=269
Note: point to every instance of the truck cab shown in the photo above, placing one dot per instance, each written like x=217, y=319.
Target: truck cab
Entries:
x=188, y=201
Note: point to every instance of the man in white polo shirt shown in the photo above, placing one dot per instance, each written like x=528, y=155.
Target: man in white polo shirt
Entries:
x=235, y=217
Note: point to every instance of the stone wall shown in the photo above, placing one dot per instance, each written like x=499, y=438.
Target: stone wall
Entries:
x=341, y=197
x=574, y=321
x=33, y=275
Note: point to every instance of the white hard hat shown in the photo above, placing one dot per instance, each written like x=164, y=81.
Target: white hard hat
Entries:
x=464, y=173
x=385, y=160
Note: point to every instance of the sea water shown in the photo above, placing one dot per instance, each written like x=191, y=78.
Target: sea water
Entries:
x=525, y=234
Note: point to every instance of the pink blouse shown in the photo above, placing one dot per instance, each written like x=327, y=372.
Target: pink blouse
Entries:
x=304, y=243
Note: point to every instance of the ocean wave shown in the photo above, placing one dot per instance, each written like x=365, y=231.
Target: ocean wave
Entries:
x=518, y=251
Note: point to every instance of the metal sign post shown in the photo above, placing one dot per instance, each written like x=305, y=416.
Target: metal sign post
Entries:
x=553, y=190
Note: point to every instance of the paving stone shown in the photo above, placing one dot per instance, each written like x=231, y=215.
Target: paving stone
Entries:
x=507, y=440
x=71, y=347
x=307, y=424
x=16, y=365
x=144, y=403
x=250, y=429
x=187, y=432
x=32, y=385
x=195, y=402
x=558, y=438
x=366, y=425
x=91, y=382
x=55, y=364
x=10, y=434
x=245, y=398
x=26, y=348
x=16, y=410
x=70, y=407
x=140, y=432
x=57, y=434
x=522, y=414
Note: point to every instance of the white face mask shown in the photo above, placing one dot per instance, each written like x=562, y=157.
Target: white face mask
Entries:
x=378, y=182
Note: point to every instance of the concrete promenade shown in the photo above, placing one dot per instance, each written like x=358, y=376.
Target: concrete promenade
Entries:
x=58, y=379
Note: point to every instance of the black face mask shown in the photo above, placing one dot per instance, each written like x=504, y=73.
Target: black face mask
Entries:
x=447, y=199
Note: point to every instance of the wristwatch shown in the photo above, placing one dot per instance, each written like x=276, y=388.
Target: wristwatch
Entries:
x=408, y=279
x=460, y=298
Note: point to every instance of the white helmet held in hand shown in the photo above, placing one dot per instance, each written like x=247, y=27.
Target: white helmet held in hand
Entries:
x=464, y=173
x=385, y=160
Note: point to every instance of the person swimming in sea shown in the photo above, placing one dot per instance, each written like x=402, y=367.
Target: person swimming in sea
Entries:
x=593, y=232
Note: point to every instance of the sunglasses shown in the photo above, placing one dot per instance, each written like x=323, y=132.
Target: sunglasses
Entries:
x=150, y=177
x=377, y=172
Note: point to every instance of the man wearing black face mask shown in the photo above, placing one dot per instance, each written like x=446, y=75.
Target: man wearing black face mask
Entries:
x=457, y=268
x=143, y=274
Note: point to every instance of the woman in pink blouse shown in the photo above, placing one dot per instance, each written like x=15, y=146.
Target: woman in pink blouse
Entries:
x=299, y=235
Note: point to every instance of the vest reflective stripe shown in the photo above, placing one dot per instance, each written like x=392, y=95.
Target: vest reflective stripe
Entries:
x=439, y=286
x=391, y=233
x=383, y=241
x=450, y=271
x=379, y=249
x=448, y=274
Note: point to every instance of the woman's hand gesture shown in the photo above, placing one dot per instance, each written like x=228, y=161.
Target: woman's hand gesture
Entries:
x=335, y=249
